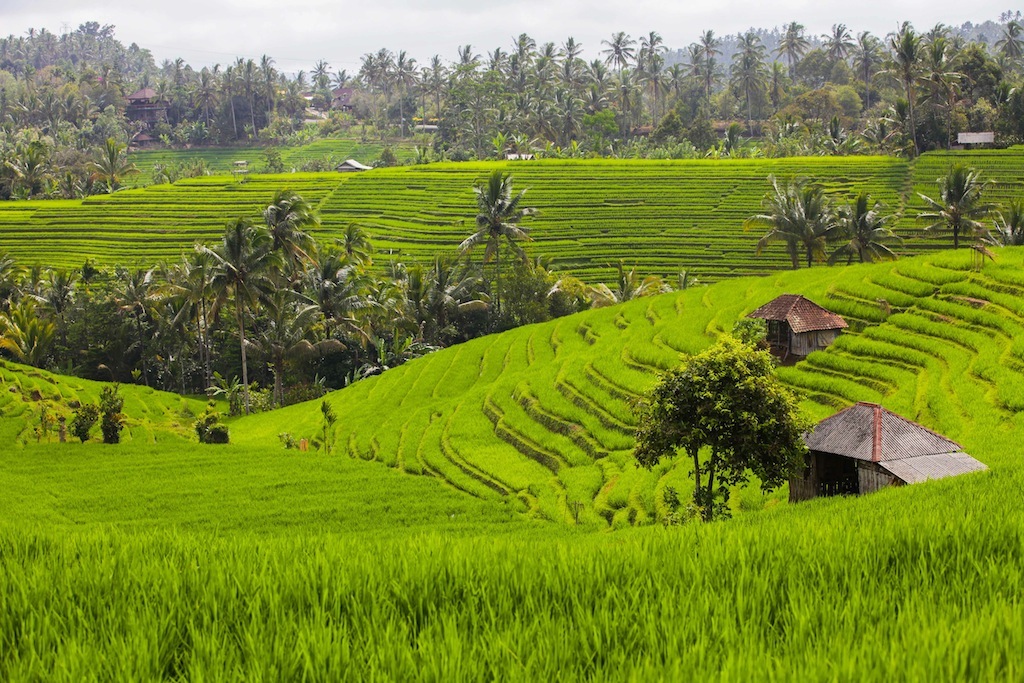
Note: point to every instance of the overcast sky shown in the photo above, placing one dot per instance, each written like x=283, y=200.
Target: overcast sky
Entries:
x=297, y=34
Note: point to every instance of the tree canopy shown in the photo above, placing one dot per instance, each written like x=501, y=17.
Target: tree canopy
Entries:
x=725, y=409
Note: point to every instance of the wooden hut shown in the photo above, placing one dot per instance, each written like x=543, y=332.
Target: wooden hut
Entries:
x=797, y=326
x=145, y=107
x=866, y=447
x=351, y=166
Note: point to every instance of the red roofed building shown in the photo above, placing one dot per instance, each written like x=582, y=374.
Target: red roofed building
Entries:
x=866, y=447
x=797, y=326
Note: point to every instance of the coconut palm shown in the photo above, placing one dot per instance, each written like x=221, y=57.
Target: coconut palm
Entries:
x=867, y=57
x=1010, y=223
x=620, y=50
x=792, y=46
x=245, y=266
x=749, y=73
x=338, y=286
x=497, y=221
x=289, y=218
x=135, y=292
x=629, y=285
x=865, y=229
x=906, y=57
x=959, y=207
x=1011, y=44
x=799, y=214
x=112, y=165
x=838, y=43
x=25, y=335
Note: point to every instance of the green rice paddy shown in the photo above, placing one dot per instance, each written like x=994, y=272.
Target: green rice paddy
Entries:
x=662, y=216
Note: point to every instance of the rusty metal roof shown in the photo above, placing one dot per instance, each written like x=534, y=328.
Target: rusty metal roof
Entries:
x=802, y=314
x=912, y=452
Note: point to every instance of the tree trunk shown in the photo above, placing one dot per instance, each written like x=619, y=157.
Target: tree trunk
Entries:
x=245, y=367
x=695, y=455
x=810, y=256
x=709, y=493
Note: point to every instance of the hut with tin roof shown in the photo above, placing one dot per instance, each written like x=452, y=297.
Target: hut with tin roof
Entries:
x=866, y=447
x=797, y=326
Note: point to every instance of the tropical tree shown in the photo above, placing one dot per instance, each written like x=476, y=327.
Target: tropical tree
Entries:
x=620, y=51
x=959, y=206
x=629, y=285
x=112, y=165
x=1010, y=223
x=865, y=229
x=906, y=57
x=1011, y=44
x=726, y=409
x=497, y=221
x=838, y=44
x=749, y=73
x=867, y=57
x=799, y=214
x=792, y=46
x=289, y=218
x=244, y=267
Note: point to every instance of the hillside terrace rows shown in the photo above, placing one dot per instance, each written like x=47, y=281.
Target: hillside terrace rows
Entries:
x=543, y=414
x=659, y=216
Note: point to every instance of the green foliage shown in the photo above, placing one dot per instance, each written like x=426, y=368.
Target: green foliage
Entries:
x=83, y=421
x=112, y=420
x=728, y=400
x=209, y=428
x=328, y=419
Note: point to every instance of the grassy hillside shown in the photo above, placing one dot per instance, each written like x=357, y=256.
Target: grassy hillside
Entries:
x=221, y=160
x=946, y=348
x=161, y=560
x=661, y=216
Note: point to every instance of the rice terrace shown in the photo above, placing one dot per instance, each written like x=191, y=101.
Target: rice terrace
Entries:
x=617, y=360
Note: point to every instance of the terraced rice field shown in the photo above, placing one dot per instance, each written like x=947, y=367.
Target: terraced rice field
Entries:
x=221, y=160
x=661, y=216
x=946, y=349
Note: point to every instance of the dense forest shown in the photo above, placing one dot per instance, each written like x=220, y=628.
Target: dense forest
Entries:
x=762, y=93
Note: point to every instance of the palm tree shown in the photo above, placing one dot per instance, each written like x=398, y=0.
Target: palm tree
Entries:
x=134, y=295
x=497, y=220
x=629, y=285
x=405, y=75
x=942, y=82
x=289, y=218
x=31, y=167
x=338, y=287
x=838, y=43
x=865, y=229
x=793, y=46
x=244, y=269
x=355, y=244
x=25, y=335
x=749, y=73
x=620, y=50
x=703, y=60
x=959, y=207
x=906, y=56
x=112, y=165
x=1011, y=45
x=867, y=56
x=798, y=214
x=1010, y=223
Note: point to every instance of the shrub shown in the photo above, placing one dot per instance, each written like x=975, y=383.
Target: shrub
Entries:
x=83, y=420
x=111, y=403
x=209, y=428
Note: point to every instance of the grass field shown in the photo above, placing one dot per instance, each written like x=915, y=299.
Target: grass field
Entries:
x=221, y=160
x=481, y=517
x=660, y=216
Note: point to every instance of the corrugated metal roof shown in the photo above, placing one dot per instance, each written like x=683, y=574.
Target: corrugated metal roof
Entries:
x=912, y=452
x=924, y=467
x=802, y=314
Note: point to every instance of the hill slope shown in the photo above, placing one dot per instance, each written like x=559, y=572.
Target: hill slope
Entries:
x=945, y=348
x=662, y=216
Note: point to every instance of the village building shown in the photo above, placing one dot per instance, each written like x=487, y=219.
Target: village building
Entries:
x=797, y=326
x=144, y=107
x=351, y=165
x=866, y=447
x=341, y=99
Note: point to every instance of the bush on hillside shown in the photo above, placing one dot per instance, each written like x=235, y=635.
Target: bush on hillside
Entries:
x=83, y=420
x=111, y=403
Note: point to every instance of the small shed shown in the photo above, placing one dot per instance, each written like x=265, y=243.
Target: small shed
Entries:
x=350, y=165
x=866, y=447
x=797, y=326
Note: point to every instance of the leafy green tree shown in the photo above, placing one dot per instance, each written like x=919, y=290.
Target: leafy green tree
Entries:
x=245, y=266
x=112, y=421
x=83, y=420
x=865, y=229
x=799, y=214
x=498, y=215
x=959, y=206
x=729, y=413
x=112, y=165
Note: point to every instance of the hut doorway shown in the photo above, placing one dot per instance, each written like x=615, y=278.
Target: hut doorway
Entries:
x=837, y=476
